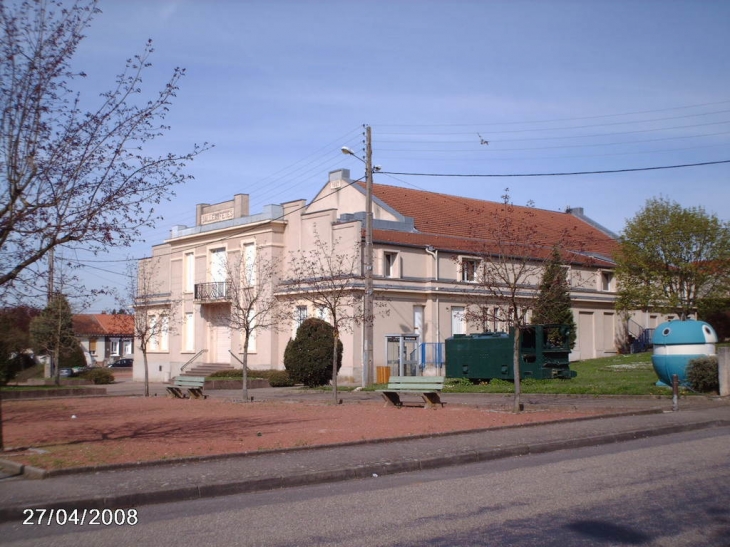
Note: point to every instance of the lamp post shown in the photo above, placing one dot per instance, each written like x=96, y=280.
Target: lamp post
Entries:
x=367, y=358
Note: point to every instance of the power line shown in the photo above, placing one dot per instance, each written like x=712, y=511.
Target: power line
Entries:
x=558, y=119
x=593, y=145
x=584, y=136
x=555, y=174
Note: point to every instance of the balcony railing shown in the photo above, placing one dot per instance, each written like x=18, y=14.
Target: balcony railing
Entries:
x=212, y=292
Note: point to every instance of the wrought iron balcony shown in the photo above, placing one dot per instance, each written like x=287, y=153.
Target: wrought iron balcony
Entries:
x=212, y=292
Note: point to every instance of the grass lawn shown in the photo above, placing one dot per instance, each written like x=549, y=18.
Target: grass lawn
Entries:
x=617, y=375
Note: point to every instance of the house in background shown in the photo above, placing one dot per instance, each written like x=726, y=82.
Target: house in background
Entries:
x=426, y=257
x=105, y=337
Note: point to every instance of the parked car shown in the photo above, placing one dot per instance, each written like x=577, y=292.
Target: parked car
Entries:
x=66, y=373
x=122, y=363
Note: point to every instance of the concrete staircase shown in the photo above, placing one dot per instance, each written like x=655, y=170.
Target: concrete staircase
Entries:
x=205, y=369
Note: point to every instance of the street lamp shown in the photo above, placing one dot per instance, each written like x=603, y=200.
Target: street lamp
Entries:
x=367, y=358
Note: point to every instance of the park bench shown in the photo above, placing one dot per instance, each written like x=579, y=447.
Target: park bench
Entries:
x=428, y=387
x=194, y=385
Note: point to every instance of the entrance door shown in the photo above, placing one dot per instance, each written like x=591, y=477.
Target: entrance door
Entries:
x=221, y=343
x=586, y=339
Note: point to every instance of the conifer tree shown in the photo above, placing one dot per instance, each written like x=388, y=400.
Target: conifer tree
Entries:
x=553, y=300
x=52, y=332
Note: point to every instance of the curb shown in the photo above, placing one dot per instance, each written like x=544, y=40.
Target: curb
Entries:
x=9, y=514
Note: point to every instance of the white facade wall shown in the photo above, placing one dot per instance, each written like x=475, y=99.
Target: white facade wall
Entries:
x=418, y=290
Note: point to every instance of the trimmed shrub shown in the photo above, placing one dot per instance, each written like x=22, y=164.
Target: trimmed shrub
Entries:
x=702, y=374
x=237, y=373
x=228, y=373
x=98, y=375
x=280, y=378
x=308, y=358
x=72, y=357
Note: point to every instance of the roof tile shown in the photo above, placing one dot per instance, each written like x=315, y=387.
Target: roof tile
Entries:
x=464, y=225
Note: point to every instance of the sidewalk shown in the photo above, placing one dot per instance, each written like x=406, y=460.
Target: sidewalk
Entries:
x=162, y=482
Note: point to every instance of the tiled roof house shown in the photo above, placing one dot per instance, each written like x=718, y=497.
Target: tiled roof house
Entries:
x=419, y=239
x=106, y=337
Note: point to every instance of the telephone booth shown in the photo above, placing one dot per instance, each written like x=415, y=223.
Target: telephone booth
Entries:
x=401, y=355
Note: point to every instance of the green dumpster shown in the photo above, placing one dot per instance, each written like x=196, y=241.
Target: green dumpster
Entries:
x=544, y=354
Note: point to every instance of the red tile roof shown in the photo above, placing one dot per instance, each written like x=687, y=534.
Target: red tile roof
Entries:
x=103, y=324
x=462, y=224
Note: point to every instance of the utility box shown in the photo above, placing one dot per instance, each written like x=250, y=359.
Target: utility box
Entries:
x=544, y=354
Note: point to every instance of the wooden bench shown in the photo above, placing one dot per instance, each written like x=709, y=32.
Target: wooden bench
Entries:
x=428, y=387
x=194, y=385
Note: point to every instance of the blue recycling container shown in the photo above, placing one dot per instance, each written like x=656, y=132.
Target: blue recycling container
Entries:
x=676, y=343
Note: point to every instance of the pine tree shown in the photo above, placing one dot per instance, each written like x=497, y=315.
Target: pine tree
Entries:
x=553, y=300
x=52, y=333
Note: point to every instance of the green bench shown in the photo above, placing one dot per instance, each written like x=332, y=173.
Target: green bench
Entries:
x=428, y=387
x=194, y=385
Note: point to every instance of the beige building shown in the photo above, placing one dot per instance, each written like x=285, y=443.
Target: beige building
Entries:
x=425, y=263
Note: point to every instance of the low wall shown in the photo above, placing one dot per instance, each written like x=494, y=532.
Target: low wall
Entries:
x=51, y=382
x=59, y=392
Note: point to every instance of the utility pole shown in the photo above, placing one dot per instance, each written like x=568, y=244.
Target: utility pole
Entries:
x=368, y=300
x=368, y=315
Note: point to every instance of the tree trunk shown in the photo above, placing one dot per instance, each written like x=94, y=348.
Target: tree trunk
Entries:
x=55, y=364
x=516, y=369
x=244, y=391
x=334, y=366
x=2, y=444
x=146, y=374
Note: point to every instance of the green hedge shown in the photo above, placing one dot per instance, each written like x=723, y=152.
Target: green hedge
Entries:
x=98, y=375
x=702, y=374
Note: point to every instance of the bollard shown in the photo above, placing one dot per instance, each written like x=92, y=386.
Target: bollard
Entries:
x=675, y=393
x=723, y=370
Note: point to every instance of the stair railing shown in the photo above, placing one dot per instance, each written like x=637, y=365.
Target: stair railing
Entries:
x=193, y=358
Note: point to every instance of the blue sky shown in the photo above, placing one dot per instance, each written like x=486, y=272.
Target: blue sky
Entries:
x=554, y=86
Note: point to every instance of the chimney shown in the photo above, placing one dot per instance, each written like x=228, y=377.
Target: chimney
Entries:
x=339, y=178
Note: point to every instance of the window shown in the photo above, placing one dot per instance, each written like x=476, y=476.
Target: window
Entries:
x=418, y=312
x=606, y=281
x=127, y=347
x=164, y=329
x=469, y=270
x=252, y=336
x=323, y=313
x=114, y=347
x=389, y=264
x=249, y=262
x=159, y=327
x=218, y=266
x=189, y=338
x=497, y=324
x=458, y=320
x=92, y=346
x=154, y=342
x=189, y=273
x=567, y=274
x=300, y=315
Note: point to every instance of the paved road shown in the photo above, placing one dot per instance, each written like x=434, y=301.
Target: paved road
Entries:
x=667, y=491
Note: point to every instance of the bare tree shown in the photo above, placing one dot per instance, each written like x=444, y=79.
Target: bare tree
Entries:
x=251, y=280
x=504, y=269
x=155, y=312
x=329, y=278
x=73, y=176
